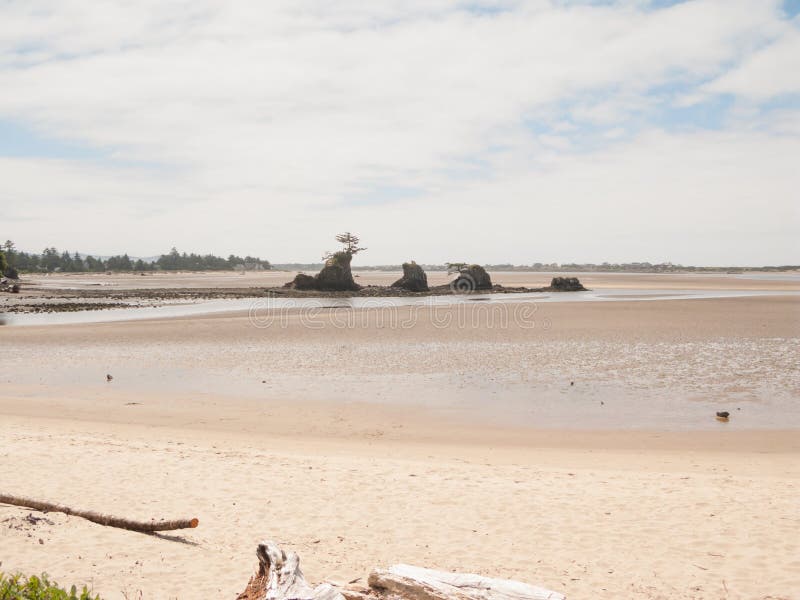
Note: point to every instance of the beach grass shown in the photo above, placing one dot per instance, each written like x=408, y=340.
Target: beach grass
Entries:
x=21, y=587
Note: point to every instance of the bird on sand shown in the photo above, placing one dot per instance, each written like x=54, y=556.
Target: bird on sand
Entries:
x=108, y=377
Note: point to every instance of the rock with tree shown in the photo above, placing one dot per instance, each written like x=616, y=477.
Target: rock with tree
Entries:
x=336, y=275
x=414, y=278
x=469, y=278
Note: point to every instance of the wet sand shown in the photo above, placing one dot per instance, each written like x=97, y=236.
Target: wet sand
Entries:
x=465, y=445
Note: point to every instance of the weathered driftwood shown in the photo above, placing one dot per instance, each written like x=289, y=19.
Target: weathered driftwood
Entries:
x=101, y=519
x=416, y=583
x=279, y=578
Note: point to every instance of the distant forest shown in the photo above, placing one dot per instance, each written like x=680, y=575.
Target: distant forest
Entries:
x=52, y=260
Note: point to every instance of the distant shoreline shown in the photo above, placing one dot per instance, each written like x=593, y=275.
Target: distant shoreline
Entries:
x=98, y=291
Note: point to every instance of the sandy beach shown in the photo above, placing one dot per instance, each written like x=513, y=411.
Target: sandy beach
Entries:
x=573, y=446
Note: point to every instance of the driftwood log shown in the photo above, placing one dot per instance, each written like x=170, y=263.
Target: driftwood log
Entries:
x=415, y=583
x=279, y=578
x=100, y=519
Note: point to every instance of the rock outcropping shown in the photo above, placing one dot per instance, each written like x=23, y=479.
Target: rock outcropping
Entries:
x=471, y=278
x=566, y=284
x=302, y=282
x=414, y=278
x=335, y=276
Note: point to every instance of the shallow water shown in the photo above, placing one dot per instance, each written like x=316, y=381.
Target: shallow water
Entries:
x=259, y=308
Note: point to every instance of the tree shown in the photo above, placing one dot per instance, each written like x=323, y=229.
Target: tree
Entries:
x=171, y=261
x=119, y=263
x=51, y=259
x=77, y=263
x=3, y=263
x=455, y=267
x=350, y=242
x=66, y=262
x=10, y=251
x=95, y=265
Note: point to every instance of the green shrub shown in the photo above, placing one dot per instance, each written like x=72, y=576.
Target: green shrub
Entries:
x=19, y=587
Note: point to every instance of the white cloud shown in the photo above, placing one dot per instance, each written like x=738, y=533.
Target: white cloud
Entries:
x=769, y=72
x=262, y=112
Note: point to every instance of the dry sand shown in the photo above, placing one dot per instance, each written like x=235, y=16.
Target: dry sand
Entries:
x=372, y=444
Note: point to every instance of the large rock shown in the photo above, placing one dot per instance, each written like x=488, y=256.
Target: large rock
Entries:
x=414, y=278
x=471, y=278
x=566, y=284
x=335, y=276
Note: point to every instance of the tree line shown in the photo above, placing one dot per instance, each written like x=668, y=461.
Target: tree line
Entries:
x=52, y=260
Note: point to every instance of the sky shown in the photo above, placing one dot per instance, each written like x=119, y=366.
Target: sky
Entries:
x=490, y=132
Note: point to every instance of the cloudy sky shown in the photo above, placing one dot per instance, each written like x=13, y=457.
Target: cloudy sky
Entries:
x=493, y=131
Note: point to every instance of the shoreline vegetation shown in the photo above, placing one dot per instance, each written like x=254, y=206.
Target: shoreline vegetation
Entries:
x=51, y=260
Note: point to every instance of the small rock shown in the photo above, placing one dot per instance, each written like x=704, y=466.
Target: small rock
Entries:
x=471, y=278
x=302, y=282
x=566, y=284
x=414, y=278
